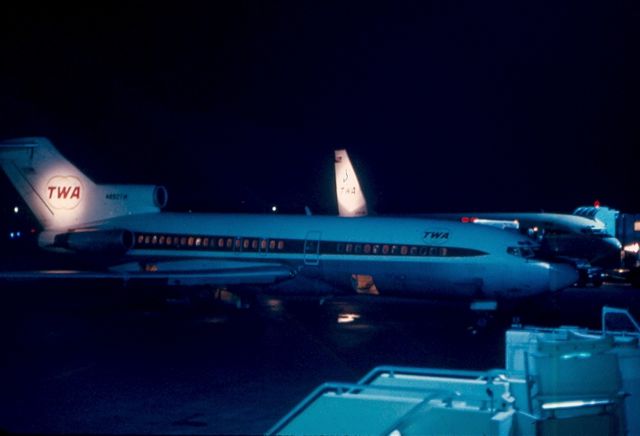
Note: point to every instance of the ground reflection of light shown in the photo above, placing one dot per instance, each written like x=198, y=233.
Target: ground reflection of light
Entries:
x=214, y=320
x=345, y=318
x=275, y=305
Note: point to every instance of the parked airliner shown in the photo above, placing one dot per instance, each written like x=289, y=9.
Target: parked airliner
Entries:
x=122, y=228
x=565, y=236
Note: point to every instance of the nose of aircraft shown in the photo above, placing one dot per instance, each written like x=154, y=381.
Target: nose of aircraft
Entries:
x=610, y=253
x=561, y=276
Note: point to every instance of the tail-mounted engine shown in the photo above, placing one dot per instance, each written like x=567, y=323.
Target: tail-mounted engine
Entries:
x=111, y=242
x=120, y=200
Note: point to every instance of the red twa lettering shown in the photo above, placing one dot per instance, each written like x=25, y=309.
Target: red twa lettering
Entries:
x=64, y=192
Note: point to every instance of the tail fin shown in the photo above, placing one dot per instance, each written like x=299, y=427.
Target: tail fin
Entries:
x=60, y=195
x=351, y=200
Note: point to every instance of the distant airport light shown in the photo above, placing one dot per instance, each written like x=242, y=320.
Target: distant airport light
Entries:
x=464, y=219
x=632, y=248
x=274, y=208
x=596, y=204
x=18, y=234
x=16, y=209
x=12, y=235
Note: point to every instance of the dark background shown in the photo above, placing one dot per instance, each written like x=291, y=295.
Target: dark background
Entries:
x=235, y=106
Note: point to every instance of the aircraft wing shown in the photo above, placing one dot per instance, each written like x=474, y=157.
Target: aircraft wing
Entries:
x=251, y=275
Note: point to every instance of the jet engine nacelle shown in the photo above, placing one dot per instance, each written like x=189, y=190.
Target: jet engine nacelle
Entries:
x=112, y=242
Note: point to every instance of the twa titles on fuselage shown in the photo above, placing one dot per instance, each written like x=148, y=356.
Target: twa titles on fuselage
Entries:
x=122, y=227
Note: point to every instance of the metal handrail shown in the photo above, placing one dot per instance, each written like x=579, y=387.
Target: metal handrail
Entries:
x=606, y=310
x=346, y=388
x=408, y=370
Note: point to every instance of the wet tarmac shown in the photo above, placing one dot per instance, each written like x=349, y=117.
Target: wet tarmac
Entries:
x=87, y=359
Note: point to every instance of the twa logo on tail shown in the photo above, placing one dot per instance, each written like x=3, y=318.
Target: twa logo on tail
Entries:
x=64, y=192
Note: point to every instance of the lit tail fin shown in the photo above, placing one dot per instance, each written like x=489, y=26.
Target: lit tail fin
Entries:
x=60, y=195
x=351, y=200
x=53, y=188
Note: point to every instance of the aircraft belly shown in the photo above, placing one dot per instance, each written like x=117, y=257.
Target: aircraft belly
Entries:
x=436, y=278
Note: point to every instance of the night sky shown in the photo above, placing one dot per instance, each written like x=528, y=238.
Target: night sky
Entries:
x=235, y=106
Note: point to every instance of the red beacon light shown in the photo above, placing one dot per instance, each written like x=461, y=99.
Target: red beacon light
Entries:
x=596, y=204
x=464, y=219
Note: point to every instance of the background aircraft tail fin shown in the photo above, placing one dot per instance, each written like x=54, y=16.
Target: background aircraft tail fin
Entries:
x=63, y=197
x=351, y=200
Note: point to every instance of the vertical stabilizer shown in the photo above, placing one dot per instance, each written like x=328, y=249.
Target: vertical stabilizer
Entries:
x=53, y=188
x=351, y=201
x=61, y=196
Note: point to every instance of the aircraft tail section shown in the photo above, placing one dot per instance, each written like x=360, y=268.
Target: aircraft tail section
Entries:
x=63, y=197
x=351, y=200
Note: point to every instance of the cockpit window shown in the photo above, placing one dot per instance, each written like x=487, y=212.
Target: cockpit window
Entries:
x=593, y=231
x=525, y=252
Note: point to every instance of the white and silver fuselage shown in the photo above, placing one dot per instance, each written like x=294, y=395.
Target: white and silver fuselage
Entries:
x=403, y=255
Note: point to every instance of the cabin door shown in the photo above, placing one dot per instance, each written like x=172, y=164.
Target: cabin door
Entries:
x=312, y=248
